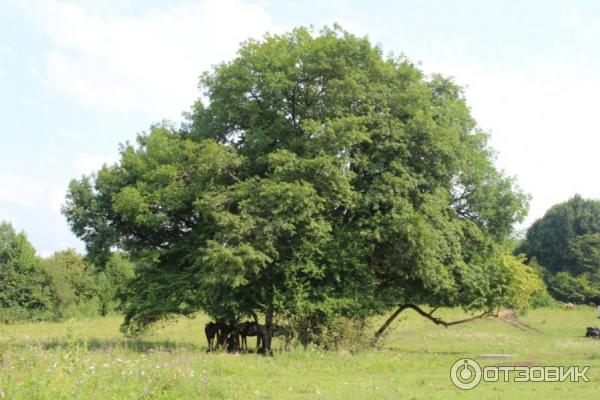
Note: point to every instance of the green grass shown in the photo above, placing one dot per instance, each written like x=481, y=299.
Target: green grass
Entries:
x=88, y=358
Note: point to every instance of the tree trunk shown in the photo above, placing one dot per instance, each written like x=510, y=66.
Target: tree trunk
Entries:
x=269, y=323
x=269, y=333
x=387, y=323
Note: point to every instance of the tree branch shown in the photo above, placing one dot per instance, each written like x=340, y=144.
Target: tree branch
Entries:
x=429, y=316
x=439, y=321
x=387, y=323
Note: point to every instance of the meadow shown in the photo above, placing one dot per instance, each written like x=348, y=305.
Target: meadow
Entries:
x=89, y=358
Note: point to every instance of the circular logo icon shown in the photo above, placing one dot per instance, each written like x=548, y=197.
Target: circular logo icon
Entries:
x=465, y=374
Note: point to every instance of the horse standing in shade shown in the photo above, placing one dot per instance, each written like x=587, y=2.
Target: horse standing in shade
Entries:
x=233, y=336
x=286, y=332
x=276, y=330
x=251, y=329
x=215, y=330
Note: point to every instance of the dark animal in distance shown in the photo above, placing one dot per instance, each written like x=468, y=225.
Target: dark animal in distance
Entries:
x=219, y=331
x=215, y=330
x=592, y=332
x=277, y=331
x=234, y=337
x=249, y=328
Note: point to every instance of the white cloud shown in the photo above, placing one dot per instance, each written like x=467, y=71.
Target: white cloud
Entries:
x=34, y=71
x=85, y=163
x=22, y=190
x=572, y=19
x=6, y=216
x=34, y=204
x=6, y=51
x=584, y=24
x=68, y=135
x=51, y=160
x=148, y=63
x=29, y=192
x=45, y=253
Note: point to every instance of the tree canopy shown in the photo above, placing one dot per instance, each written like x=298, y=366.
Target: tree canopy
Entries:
x=560, y=240
x=566, y=242
x=316, y=177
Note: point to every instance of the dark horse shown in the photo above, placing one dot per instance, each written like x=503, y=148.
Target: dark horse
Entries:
x=233, y=337
x=218, y=330
x=249, y=328
x=211, y=330
x=592, y=332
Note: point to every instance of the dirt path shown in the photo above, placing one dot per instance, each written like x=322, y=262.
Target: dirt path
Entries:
x=510, y=317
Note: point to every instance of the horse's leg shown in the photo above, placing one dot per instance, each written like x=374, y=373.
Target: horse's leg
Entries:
x=224, y=344
x=209, y=338
x=219, y=341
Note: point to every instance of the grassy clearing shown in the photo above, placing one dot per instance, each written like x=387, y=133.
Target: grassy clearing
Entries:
x=87, y=358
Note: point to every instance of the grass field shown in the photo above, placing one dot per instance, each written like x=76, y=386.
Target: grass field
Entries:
x=83, y=359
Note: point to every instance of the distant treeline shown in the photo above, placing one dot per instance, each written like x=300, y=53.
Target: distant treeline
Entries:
x=61, y=286
x=565, y=242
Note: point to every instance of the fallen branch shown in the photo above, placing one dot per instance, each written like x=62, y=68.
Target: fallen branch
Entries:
x=439, y=321
x=510, y=317
x=429, y=316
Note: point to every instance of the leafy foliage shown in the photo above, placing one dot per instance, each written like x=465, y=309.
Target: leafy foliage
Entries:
x=566, y=242
x=21, y=291
x=557, y=240
x=69, y=283
x=526, y=286
x=321, y=179
x=60, y=286
x=112, y=281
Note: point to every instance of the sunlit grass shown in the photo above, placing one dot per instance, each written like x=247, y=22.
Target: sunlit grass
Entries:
x=88, y=358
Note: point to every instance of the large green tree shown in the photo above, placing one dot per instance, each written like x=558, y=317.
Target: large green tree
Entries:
x=566, y=242
x=319, y=178
x=558, y=240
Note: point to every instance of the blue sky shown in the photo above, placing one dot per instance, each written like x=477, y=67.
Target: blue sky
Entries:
x=78, y=78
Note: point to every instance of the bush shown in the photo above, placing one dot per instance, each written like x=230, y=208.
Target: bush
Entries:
x=565, y=287
x=346, y=334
